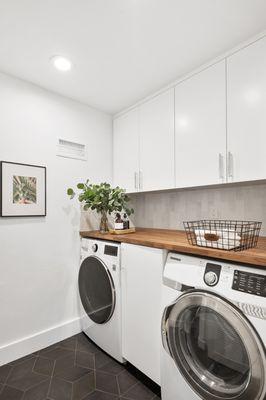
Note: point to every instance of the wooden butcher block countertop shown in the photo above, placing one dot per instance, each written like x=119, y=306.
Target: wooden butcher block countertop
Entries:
x=177, y=241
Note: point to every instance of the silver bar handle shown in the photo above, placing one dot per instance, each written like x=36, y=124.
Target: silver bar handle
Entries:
x=230, y=171
x=221, y=166
x=136, y=177
x=140, y=180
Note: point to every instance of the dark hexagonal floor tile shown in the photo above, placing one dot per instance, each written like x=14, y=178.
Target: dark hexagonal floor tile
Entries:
x=44, y=366
x=69, y=343
x=106, y=382
x=112, y=367
x=83, y=386
x=86, y=360
x=97, y=395
x=56, y=353
x=72, y=374
x=139, y=392
x=9, y=393
x=38, y=392
x=21, y=377
x=125, y=381
x=60, y=390
x=84, y=344
x=101, y=359
x=65, y=390
x=4, y=372
x=64, y=363
x=22, y=359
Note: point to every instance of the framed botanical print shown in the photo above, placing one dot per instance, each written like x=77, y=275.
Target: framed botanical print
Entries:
x=23, y=190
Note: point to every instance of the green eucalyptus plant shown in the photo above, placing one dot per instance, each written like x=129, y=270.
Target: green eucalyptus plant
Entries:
x=102, y=198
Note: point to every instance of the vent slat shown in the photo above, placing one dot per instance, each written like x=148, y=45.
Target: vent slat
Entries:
x=68, y=149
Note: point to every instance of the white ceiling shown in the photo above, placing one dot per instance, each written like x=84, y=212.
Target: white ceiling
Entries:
x=122, y=50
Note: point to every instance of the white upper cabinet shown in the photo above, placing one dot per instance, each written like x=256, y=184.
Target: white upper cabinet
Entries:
x=209, y=129
x=157, y=143
x=247, y=113
x=126, y=151
x=200, y=128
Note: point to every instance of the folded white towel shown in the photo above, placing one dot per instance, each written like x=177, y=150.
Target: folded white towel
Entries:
x=230, y=234
x=219, y=244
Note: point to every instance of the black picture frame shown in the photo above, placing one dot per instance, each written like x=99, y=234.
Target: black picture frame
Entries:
x=3, y=215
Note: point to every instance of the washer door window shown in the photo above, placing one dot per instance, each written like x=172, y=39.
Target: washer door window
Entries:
x=215, y=347
x=96, y=290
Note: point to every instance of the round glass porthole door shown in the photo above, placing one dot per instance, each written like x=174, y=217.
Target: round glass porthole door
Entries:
x=215, y=347
x=96, y=289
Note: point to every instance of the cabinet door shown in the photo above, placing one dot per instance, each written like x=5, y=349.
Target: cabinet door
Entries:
x=141, y=297
x=247, y=113
x=126, y=151
x=157, y=143
x=200, y=128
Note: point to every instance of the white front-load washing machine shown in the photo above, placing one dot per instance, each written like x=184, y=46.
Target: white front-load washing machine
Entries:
x=100, y=294
x=213, y=330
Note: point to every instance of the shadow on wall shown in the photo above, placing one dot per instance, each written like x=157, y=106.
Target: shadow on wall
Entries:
x=73, y=212
x=89, y=220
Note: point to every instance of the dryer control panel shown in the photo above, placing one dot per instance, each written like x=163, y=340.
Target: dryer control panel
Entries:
x=249, y=283
x=111, y=250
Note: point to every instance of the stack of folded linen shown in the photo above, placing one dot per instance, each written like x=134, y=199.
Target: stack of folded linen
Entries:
x=227, y=239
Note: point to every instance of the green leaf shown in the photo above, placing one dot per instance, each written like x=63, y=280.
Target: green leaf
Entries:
x=80, y=186
x=70, y=192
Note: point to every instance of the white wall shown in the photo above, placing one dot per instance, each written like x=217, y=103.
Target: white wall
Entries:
x=39, y=257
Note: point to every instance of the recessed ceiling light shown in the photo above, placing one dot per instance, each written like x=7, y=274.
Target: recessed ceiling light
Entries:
x=61, y=63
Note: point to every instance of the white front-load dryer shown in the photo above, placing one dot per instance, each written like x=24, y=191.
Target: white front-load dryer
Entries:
x=213, y=330
x=100, y=294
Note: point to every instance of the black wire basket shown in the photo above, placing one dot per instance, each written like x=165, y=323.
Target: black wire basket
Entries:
x=223, y=234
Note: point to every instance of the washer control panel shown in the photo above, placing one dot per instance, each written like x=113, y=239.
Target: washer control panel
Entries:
x=249, y=283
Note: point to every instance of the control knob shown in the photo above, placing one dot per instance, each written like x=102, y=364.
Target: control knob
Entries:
x=211, y=278
x=94, y=247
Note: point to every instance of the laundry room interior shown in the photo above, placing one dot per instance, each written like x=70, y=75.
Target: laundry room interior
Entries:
x=133, y=200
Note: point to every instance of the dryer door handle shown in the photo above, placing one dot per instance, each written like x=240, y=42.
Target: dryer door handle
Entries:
x=180, y=287
x=164, y=326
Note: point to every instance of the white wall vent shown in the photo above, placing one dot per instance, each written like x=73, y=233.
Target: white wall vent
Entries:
x=68, y=149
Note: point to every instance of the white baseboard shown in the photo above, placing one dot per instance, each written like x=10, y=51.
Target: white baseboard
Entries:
x=27, y=345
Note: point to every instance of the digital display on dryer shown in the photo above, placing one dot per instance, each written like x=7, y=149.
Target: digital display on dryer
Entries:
x=110, y=250
x=249, y=283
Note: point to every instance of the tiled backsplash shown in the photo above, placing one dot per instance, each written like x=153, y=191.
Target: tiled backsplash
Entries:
x=169, y=209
